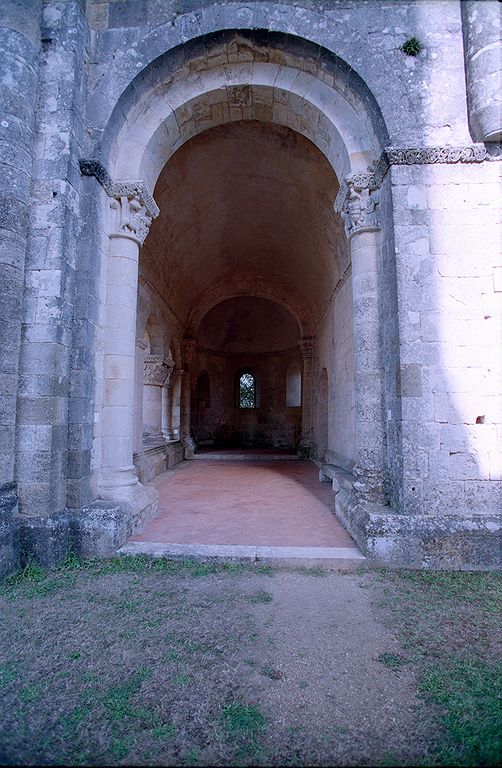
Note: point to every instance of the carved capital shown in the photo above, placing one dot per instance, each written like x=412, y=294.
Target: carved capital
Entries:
x=157, y=370
x=359, y=197
x=307, y=347
x=132, y=212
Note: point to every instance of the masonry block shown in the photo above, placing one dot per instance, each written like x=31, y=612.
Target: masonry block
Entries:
x=9, y=530
x=45, y=540
x=98, y=530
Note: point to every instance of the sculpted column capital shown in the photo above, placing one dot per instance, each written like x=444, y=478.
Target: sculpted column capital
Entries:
x=157, y=370
x=133, y=209
x=359, y=197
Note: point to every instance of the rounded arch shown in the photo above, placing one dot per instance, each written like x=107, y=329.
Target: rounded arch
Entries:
x=281, y=79
x=154, y=330
x=316, y=32
x=249, y=285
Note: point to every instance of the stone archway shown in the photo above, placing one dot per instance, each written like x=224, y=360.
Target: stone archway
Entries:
x=340, y=119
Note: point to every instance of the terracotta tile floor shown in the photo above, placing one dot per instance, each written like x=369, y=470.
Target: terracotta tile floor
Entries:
x=274, y=503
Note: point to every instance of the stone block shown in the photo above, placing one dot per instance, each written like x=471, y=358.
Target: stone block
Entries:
x=99, y=529
x=443, y=541
x=9, y=530
x=45, y=540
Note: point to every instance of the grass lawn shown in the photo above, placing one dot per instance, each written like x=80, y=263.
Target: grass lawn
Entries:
x=138, y=661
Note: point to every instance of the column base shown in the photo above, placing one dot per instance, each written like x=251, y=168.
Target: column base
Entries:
x=305, y=449
x=189, y=446
x=138, y=502
x=9, y=530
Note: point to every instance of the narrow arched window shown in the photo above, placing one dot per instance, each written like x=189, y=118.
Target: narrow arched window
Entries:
x=247, y=390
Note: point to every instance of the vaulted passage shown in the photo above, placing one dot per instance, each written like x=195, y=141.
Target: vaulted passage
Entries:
x=246, y=255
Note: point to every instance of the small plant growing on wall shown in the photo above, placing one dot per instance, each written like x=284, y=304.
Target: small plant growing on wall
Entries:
x=412, y=47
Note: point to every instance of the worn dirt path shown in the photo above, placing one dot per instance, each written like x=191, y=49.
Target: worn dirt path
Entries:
x=125, y=664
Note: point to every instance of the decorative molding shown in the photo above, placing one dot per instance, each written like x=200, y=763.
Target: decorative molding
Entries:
x=473, y=153
x=307, y=347
x=132, y=202
x=157, y=370
x=358, y=197
x=97, y=169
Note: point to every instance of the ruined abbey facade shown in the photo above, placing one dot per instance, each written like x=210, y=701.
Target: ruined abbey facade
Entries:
x=300, y=198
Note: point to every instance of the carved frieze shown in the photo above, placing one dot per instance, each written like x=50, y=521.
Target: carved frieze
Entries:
x=473, y=153
x=157, y=370
x=358, y=198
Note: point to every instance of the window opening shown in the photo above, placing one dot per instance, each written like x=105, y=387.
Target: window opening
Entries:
x=247, y=391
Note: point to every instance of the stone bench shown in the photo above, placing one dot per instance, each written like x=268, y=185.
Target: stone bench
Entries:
x=338, y=477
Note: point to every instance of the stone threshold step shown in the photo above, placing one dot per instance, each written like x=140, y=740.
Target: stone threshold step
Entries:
x=245, y=457
x=325, y=557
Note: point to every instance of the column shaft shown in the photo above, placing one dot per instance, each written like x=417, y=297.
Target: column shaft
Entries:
x=119, y=367
x=366, y=268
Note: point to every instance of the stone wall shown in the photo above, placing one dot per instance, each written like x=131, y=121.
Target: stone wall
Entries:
x=335, y=350
x=447, y=229
x=87, y=81
x=272, y=424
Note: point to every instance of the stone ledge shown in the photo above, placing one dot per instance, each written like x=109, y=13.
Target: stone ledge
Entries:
x=328, y=557
x=340, y=478
x=444, y=542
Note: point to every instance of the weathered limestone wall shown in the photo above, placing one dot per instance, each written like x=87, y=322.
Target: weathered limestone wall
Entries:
x=271, y=424
x=433, y=336
x=41, y=463
x=447, y=229
x=19, y=50
x=422, y=98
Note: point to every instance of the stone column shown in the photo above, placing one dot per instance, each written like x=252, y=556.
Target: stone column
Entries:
x=358, y=202
x=167, y=402
x=307, y=349
x=132, y=212
x=138, y=395
x=156, y=375
x=175, y=404
x=483, y=57
x=19, y=49
x=188, y=350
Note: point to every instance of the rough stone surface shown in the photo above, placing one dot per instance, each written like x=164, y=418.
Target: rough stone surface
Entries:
x=162, y=158
x=9, y=530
